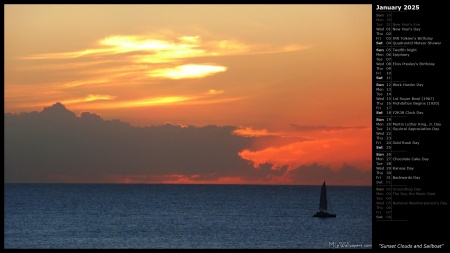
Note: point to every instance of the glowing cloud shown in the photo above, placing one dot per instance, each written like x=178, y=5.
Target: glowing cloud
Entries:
x=354, y=149
x=214, y=92
x=112, y=102
x=148, y=49
x=80, y=83
x=151, y=50
x=68, y=55
x=149, y=102
x=136, y=60
x=133, y=43
x=250, y=132
x=89, y=98
x=187, y=71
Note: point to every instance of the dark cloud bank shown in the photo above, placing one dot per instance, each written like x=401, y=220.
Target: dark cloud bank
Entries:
x=55, y=145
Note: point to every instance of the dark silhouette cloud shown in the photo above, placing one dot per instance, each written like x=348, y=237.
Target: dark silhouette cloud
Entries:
x=324, y=128
x=316, y=174
x=55, y=144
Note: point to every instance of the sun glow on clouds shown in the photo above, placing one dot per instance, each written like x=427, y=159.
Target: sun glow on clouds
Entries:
x=132, y=43
x=187, y=71
x=213, y=92
x=77, y=102
x=89, y=98
x=250, y=132
x=332, y=149
x=80, y=83
x=146, y=102
x=134, y=61
x=139, y=50
x=151, y=50
x=331, y=152
x=200, y=99
x=68, y=55
x=152, y=101
x=148, y=49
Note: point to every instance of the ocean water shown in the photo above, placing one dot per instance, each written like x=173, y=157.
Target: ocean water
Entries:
x=82, y=216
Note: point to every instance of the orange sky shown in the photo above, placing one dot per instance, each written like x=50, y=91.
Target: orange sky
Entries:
x=299, y=74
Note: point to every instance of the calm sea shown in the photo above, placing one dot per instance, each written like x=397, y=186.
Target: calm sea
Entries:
x=183, y=216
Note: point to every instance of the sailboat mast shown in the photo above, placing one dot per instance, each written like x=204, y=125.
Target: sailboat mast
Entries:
x=323, y=197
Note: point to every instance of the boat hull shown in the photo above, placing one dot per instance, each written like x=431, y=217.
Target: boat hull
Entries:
x=324, y=215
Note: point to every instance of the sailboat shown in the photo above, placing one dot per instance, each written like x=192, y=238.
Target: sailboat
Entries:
x=323, y=205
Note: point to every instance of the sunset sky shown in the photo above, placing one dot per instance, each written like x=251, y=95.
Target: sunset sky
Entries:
x=288, y=87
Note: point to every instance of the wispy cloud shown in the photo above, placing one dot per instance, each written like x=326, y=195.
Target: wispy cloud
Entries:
x=251, y=132
x=199, y=99
x=213, y=92
x=134, y=61
x=154, y=101
x=89, y=98
x=157, y=49
x=81, y=83
x=187, y=71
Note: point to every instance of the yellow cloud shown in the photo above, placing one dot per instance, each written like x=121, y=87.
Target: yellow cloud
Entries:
x=187, y=71
x=133, y=43
x=69, y=55
x=250, y=132
x=80, y=83
x=152, y=50
x=201, y=99
x=214, y=92
x=141, y=57
x=192, y=39
x=89, y=98
x=155, y=101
